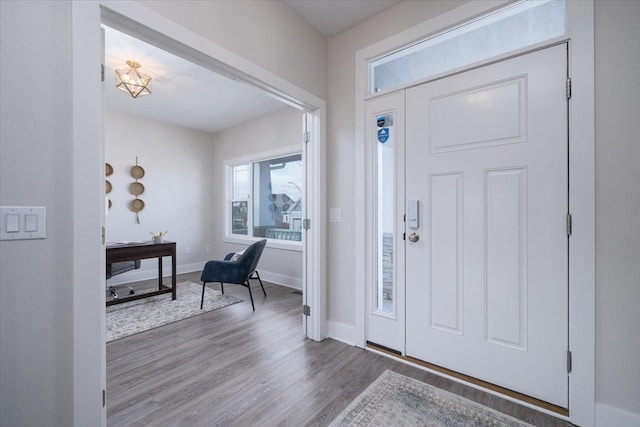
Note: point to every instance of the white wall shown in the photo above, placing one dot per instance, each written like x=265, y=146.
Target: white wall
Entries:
x=36, y=337
x=179, y=176
x=617, y=207
x=277, y=130
x=266, y=32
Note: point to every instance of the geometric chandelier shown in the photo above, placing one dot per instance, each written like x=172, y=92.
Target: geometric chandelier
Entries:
x=133, y=81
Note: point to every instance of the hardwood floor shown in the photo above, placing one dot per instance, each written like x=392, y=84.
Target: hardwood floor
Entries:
x=236, y=367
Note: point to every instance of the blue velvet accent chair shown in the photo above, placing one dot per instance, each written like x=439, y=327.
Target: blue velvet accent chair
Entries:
x=237, y=271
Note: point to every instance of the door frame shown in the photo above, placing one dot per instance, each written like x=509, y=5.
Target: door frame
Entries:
x=89, y=348
x=580, y=36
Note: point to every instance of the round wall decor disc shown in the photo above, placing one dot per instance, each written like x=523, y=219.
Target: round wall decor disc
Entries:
x=137, y=172
x=136, y=188
x=136, y=205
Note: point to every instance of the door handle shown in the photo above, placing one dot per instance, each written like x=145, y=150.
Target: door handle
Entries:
x=414, y=237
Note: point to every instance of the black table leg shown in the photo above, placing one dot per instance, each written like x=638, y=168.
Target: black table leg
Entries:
x=159, y=273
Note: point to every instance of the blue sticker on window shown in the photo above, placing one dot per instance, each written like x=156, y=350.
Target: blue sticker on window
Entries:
x=383, y=135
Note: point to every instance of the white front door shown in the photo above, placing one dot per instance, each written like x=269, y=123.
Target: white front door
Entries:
x=487, y=281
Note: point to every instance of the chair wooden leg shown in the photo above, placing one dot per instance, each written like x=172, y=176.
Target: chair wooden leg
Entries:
x=250, y=295
x=202, y=299
x=260, y=280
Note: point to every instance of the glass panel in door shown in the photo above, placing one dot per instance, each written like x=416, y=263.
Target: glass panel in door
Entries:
x=385, y=196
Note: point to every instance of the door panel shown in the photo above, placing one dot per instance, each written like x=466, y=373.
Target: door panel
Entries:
x=506, y=256
x=446, y=267
x=487, y=282
x=493, y=114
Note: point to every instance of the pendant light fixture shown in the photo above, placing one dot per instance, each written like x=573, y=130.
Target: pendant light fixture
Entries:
x=133, y=81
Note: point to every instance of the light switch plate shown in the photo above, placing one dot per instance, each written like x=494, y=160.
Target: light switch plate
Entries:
x=12, y=223
x=32, y=222
x=335, y=215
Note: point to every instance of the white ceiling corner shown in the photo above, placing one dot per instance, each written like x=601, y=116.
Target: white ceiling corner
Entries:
x=332, y=17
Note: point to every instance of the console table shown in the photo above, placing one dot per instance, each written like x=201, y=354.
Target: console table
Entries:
x=143, y=250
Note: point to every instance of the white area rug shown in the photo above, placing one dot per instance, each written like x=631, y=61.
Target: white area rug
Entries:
x=396, y=400
x=140, y=315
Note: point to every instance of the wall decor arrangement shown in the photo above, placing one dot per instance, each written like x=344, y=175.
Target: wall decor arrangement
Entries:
x=108, y=170
x=136, y=188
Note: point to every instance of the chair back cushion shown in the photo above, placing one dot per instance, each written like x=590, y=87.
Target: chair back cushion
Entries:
x=251, y=256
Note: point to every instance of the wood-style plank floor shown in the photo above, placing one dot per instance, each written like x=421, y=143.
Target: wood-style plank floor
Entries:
x=236, y=367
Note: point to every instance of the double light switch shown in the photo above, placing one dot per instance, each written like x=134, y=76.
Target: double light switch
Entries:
x=22, y=222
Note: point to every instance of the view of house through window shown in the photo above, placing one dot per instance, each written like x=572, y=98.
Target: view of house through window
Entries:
x=266, y=198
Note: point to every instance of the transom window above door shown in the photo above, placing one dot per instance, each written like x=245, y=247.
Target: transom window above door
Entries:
x=265, y=199
x=520, y=25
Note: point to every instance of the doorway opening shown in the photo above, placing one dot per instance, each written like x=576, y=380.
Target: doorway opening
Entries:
x=89, y=252
x=192, y=123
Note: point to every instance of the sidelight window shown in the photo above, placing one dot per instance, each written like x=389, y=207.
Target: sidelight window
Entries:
x=386, y=201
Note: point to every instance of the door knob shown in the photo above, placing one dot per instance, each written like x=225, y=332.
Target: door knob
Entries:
x=413, y=237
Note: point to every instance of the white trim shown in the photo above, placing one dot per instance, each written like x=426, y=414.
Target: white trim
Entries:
x=609, y=416
x=132, y=277
x=342, y=332
x=580, y=19
x=88, y=301
x=89, y=333
x=582, y=282
x=271, y=243
x=281, y=279
x=315, y=264
x=265, y=155
x=152, y=273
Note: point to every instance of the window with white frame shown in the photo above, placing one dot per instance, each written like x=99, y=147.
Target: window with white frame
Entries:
x=265, y=198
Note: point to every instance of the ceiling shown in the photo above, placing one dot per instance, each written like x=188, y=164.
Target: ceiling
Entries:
x=182, y=93
x=188, y=95
x=332, y=17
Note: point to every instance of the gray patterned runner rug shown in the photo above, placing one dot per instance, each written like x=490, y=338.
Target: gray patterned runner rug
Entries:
x=397, y=400
x=140, y=315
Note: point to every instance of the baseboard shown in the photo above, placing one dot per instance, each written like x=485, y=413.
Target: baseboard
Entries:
x=152, y=273
x=341, y=332
x=280, y=279
x=609, y=416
